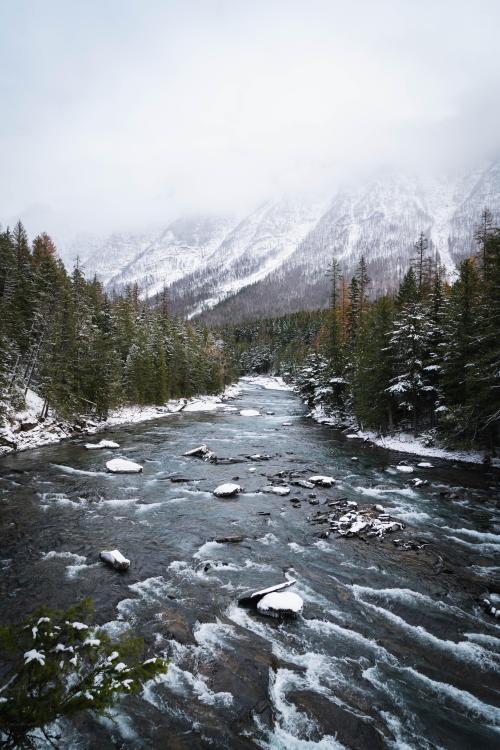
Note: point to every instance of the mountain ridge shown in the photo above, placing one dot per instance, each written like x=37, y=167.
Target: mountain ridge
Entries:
x=274, y=259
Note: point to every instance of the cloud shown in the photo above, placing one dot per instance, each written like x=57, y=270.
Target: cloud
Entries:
x=125, y=114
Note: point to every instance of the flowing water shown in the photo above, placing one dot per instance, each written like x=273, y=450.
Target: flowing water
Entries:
x=393, y=649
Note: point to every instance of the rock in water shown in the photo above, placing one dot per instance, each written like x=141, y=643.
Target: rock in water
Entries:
x=252, y=597
x=250, y=413
x=122, y=466
x=405, y=468
x=227, y=490
x=116, y=559
x=281, y=604
x=322, y=481
x=276, y=489
x=229, y=539
x=101, y=444
x=202, y=451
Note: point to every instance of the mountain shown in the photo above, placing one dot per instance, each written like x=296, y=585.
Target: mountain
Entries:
x=275, y=259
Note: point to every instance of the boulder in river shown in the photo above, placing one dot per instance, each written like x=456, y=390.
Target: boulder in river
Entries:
x=280, y=603
x=405, y=468
x=303, y=483
x=277, y=489
x=260, y=457
x=249, y=413
x=202, y=451
x=115, y=559
x=101, y=444
x=122, y=466
x=229, y=539
x=229, y=489
x=252, y=597
x=322, y=481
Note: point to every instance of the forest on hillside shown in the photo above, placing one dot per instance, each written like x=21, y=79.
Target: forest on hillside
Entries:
x=424, y=359
x=85, y=352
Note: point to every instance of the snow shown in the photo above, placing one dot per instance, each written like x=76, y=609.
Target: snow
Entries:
x=122, y=466
x=101, y=444
x=405, y=469
x=268, y=382
x=227, y=490
x=277, y=587
x=34, y=655
x=249, y=413
x=404, y=442
x=281, y=602
x=323, y=481
x=276, y=490
x=54, y=430
x=115, y=558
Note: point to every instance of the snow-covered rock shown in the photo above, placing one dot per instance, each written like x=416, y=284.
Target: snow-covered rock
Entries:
x=249, y=413
x=101, y=444
x=279, y=603
x=227, y=490
x=404, y=468
x=254, y=596
x=276, y=489
x=115, y=559
x=322, y=481
x=424, y=465
x=122, y=466
x=202, y=451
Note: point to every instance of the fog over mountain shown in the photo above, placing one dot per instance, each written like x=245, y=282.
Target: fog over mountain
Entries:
x=192, y=107
x=173, y=132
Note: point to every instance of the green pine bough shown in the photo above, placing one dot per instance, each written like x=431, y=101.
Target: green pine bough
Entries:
x=59, y=664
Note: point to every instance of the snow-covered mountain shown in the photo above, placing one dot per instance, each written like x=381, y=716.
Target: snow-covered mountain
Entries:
x=183, y=247
x=275, y=259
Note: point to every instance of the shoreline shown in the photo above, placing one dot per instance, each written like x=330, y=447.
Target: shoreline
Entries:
x=53, y=430
x=402, y=442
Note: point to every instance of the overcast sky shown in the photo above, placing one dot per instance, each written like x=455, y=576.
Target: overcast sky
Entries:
x=121, y=114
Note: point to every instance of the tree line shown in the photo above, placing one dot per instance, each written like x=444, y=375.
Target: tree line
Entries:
x=424, y=358
x=86, y=352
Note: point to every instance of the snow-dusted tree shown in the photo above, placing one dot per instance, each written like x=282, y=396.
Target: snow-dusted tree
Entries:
x=409, y=346
x=62, y=665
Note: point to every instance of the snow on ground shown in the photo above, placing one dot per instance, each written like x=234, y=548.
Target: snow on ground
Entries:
x=269, y=382
x=21, y=430
x=404, y=442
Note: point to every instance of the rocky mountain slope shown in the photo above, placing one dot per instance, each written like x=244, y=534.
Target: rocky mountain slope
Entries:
x=275, y=259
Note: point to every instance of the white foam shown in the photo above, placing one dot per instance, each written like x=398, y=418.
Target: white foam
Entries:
x=146, y=507
x=268, y=539
x=72, y=470
x=461, y=650
x=473, y=707
x=214, y=635
x=208, y=548
x=181, y=682
x=482, y=536
x=64, y=556
x=73, y=571
x=325, y=627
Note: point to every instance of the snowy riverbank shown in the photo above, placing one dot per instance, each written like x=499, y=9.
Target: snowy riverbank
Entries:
x=403, y=442
x=22, y=430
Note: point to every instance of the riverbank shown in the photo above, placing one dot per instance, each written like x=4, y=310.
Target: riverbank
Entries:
x=22, y=430
x=403, y=442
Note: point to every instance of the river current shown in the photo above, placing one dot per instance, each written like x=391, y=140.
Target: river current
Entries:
x=393, y=648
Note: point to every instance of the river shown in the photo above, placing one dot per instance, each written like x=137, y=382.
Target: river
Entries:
x=393, y=648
